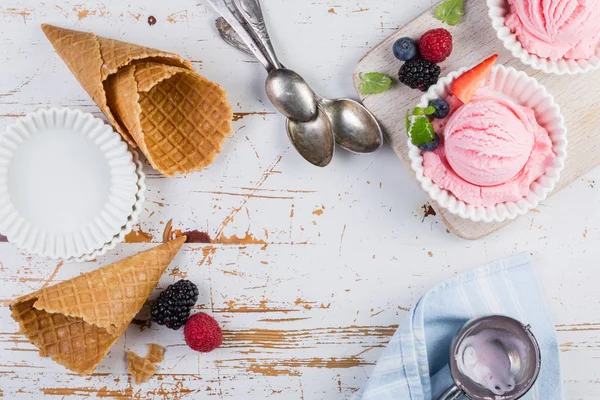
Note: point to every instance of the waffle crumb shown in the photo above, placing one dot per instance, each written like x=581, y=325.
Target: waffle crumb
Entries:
x=156, y=353
x=140, y=368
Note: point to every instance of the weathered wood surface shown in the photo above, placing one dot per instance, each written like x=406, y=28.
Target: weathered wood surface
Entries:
x=474, y=40
x=310, y=270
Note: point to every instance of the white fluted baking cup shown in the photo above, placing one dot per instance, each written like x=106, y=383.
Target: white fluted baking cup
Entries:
x=498, y=9
x=524, y=90
x=132, y=220
x=68, y=183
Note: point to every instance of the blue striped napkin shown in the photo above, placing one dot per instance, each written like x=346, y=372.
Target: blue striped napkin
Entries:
x=414, y=364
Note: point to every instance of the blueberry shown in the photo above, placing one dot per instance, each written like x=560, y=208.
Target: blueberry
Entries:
x=405, y=49
x=441, y=108
x=431, y=146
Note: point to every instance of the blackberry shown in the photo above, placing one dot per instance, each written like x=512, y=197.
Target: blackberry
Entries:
x=419, y=74
x=172, y=307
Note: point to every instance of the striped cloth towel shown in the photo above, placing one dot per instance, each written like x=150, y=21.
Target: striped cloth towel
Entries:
x=414, y=364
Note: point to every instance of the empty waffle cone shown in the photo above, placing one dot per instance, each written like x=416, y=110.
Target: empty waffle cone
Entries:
x=155, y=99
x=77, y=321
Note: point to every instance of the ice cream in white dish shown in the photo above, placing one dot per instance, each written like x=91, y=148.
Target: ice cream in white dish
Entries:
x=556, y=29
x=492, y=150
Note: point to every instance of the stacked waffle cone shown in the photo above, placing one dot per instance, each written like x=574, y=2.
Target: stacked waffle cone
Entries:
x=154, y=99
x=77, y=321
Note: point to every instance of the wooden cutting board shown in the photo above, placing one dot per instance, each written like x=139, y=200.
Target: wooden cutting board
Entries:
x=475, y=39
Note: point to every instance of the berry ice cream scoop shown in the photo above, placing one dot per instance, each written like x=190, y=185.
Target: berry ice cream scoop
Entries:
x=488, y=141
x=556, y=29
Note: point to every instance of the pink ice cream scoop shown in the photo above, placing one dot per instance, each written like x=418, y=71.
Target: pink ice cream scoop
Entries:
x=556, y=29
x=492, y=150
x=488, y=141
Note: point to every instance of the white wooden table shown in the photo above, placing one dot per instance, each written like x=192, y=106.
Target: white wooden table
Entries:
x=311, y=270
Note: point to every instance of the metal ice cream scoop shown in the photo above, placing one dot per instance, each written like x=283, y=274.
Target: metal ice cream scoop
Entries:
x=490, y=340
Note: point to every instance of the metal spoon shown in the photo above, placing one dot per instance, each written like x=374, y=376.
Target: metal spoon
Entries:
x=309, y=140
x=287, y=90
x=354, y=127
x=318, y=129
x=314, y=141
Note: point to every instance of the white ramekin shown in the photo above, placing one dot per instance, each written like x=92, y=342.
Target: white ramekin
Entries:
x=524, y=90
x=68, y=183
x=498, y=9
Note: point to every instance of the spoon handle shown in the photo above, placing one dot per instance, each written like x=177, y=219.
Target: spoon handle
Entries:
x=252, y=14
x=231, y=37
x=220, y=6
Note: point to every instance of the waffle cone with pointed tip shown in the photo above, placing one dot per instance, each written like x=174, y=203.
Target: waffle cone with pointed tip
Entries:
x=75, y=322
x=154, y=99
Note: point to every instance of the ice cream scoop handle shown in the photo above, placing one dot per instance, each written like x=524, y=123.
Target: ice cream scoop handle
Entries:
x=453, y=393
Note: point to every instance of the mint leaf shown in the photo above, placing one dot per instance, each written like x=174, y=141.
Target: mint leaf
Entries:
x=420, y=130
x=417, y=111
x=450, y=11
x=429, y=110
x=407, y=122
x=374, y=83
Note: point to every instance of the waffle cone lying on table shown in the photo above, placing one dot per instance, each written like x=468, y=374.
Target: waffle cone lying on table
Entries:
x=154, y=99
x=76, y=322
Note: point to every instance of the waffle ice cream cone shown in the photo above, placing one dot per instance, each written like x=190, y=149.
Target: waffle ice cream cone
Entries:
x=154, y=99
x=77, y=321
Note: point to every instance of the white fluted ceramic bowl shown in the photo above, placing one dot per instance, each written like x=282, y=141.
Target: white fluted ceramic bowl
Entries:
x=524, y=90
x=131, y=221
x=68, y=183
x=498, y=9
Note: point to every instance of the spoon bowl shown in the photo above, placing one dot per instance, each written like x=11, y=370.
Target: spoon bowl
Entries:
x=311, y=140
x=291, y=95
x=354, y=127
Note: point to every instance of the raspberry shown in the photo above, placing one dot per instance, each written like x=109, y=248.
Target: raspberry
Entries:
x=202, y=333
x=436, y=45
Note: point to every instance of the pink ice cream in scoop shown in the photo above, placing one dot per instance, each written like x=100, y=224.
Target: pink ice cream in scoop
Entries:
x=488, y=141
x=491, y=151
x=556, y=29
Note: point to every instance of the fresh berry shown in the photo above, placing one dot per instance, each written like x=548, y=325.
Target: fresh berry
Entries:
x=419, y=74
x=465, y=85
x=435, y=45
x=431, y=146
x=405, y=49
x=419, y=128
x=172, y=307
x=442, y=108
x=202, y=333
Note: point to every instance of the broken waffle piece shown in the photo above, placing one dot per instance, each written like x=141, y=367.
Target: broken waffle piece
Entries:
x=140, y=368
x=156, y=353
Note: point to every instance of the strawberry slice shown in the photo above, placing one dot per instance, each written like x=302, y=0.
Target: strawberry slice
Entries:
x=465, y=85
